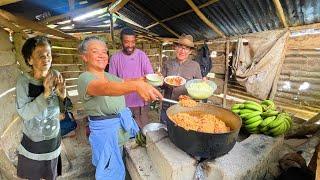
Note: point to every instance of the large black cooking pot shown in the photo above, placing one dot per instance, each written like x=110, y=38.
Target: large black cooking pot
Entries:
x=204, y=145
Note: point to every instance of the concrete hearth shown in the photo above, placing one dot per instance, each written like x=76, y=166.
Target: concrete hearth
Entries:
x=161, y=159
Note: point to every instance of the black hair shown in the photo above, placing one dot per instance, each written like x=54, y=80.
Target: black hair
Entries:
x=127, y=31
x=30, y=45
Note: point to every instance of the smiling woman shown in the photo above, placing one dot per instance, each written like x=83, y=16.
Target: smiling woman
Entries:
x=38, y=95
x=110, y=122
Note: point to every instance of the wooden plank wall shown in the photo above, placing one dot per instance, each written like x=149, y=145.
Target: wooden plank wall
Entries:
x=10, y=123
x=301, y=68
x=66, y=60
x=301, y=65
x=218, y=64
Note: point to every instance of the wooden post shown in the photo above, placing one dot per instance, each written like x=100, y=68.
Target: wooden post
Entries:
x=5, y=2
x=280, y=13
x=117, y=5
x=160, y=58
x=204, y=18
x=21, y=21
x=112, y=31
x=226, y=76
x=5, y=23
x=318, y=165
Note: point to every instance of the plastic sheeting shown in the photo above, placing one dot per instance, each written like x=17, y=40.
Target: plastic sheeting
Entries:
x=256, y=64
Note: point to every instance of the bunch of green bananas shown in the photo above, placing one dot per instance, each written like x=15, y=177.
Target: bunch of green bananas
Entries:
x=276, y=125
x=141, y=139
x=263, y=117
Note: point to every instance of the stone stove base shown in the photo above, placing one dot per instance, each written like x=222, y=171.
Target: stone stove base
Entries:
x=249, y=159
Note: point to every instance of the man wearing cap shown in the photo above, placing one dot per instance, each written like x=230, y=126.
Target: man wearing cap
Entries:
x=132, y=64
x=182, y=66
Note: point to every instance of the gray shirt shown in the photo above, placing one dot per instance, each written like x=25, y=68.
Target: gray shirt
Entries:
x=40, y=116
x=188, y=69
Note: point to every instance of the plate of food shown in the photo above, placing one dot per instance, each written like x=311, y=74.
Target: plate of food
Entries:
x=175, y=80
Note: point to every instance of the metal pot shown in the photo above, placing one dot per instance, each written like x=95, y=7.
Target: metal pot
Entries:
x=204, y=145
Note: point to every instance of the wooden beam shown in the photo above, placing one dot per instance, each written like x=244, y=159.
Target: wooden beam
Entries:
x=5, y=2
x=318, y=165
x=280, y=12
x=204, y=19
x=117, y=5
x=304, y=27
x=33, y=25
x=112, y=31
x=154, y=18
x=183, y=13
x=55, y=19
x=226, y=76
x=5, y=23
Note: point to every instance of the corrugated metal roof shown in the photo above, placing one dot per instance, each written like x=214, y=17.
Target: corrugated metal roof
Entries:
x=300, y=12
x=164, y=8
x=233, y=17
x=160, y=31
x=191, y=24
x=134, y=14
x=241, y=17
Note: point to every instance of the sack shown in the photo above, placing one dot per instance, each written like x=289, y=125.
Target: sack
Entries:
x=204, y=60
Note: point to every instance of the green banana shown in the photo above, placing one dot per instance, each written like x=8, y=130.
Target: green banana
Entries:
x=288, y=117
x=289, y=120
x=264, y=107
x=253, y=119
x=254, y=132
x=140, y=139
x=244, y=111
x=255, y=124
x=237, y=106
x=280, y=127
x=269, y=113
x=244, y=115
x=251, y=102
x=278, y=130
x=267, y=121
x=252, y=129
x=288, y=125
x=277, y=121
x=267, y=102
x=253, y=114
x=256, y=107
x=264, y=129
x=237, y=111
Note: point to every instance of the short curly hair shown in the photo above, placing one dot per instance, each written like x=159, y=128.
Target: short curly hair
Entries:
x=82, y=48
x=30, y=45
